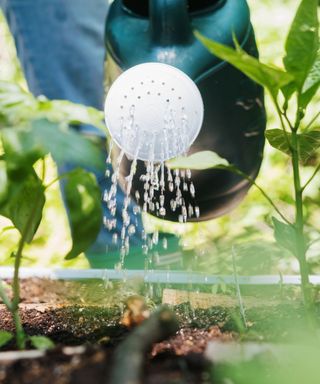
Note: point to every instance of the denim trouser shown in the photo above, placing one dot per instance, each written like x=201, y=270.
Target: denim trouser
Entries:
x=61, y=48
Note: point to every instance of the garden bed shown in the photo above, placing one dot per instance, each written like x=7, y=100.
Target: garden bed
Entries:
x=86, y=325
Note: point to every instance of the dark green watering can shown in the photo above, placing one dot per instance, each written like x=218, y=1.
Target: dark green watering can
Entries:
x=140, y=31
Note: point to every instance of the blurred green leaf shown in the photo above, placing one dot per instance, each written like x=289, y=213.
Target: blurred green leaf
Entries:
x=309, y=142
x=23, y=146
x=270, y=77
x=18, y=106
x=4, y=187
x=24, y=208
x=21, y=150
x=83, y=198
x=65, y=145
x=303, y=41
x=41, y=342
x=285, y=235
x=199, y=161
x=5, y=337
x=288, y=90
x=65, y=111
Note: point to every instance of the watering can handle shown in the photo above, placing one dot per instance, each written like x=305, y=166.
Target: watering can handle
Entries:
x=169, y=22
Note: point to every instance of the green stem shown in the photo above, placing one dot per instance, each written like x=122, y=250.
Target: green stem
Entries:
x=301, y=247
x=20, y=334
x=311, y=178
x=312, y=121
x=283, y=126
x=60, y=177
x=262, y=191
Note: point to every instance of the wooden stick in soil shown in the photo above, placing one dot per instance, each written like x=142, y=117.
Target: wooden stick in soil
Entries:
x=131, y=355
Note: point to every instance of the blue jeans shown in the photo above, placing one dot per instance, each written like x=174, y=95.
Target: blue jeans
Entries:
x=60, y=44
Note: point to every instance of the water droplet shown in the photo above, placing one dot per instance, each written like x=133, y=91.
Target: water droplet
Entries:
x=155, y=237
x=151, y=192
x=162, y=211
x=192, y=190
x=173, y=205
x=164, y=243
x=136, y=210
x=114, y=238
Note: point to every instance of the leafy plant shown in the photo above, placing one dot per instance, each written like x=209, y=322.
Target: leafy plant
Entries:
x=293, y=86
x=30, y=129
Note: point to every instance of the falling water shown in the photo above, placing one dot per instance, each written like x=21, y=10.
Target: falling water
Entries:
x=157, y=181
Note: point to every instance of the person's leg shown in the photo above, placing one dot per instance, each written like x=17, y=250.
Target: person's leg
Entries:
x=61, y=48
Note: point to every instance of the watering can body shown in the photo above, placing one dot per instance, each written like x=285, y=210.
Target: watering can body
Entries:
x=234, y=119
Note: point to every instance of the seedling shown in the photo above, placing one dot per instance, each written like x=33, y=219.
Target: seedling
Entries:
x=293, y=86
x=30, y=129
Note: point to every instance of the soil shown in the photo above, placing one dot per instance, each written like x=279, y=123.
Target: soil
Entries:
x=73, y=314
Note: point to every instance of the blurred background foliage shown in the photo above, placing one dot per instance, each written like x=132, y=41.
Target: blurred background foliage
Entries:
x=209, y=244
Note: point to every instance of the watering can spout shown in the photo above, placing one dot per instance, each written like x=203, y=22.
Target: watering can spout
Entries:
x=169, y=22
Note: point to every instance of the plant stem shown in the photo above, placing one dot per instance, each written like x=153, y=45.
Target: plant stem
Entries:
x=299, y=223
x=262, y=191
x=58, y=178
x=311, y=178
x=20, y=335
x=312, y=121
x=236, y=281
x=283, y=126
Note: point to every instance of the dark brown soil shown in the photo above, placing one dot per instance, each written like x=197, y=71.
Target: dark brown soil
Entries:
x=71, y=314
x=76, y=314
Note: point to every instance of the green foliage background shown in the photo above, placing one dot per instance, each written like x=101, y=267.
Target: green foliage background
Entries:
x=247, y=227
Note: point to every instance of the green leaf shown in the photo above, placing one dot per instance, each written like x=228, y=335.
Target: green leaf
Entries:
x=288, y=90
x=277, y=139
x=309, y=142
x=41, y=342
x=24, y=208
x=65, y=111
x=5, y=337
x=65, y=145
x=23, y=146
x=18, y=106
x=303, y=41
x=21, y=150
x=83, y=199
x=285, y=235
x=311, y=84
x=270, y=77
x=4, y=185
x=199, y=161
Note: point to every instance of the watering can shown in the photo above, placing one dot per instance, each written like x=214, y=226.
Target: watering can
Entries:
x=140, y=31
